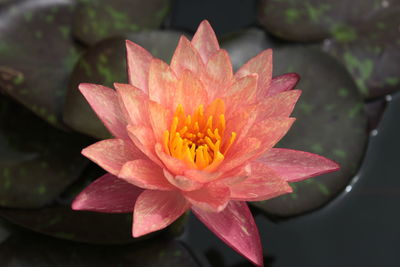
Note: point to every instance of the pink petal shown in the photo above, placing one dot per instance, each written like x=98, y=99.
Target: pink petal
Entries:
x=174, y=165
x=138, y=61
x=143, y=138
x=260, y=138
x=104, y=102
x=263, y=184
x=145, y=174
x=160, y=120
x=279, y=105
x=162, y=83
x=282, y=83
x=135, y=103
x=201, y=176
x=236, y=227
x=107, y=194
x=219, y=74
x=182, y=182
x=186, y=57
x=262, y=65
x=155, y=210
x=294, y=165
x=205, y=41
x=111, y=154
x=189, y=92
x=209, y=198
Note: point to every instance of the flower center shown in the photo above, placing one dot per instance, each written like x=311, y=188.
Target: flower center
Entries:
x=198, y=139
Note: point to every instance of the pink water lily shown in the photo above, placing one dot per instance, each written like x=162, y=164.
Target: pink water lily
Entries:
x=194, y=135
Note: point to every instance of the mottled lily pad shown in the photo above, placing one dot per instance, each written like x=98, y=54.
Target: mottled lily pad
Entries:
x=105, y=63
x=27, y=249
x=373, y=58
x=313, y=20
x=37, y=161
x=330, y=122
x=245, y=44
x=96, y=20
x=37, y=54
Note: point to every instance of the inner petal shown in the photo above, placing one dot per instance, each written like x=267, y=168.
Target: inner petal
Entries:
x=196, y=138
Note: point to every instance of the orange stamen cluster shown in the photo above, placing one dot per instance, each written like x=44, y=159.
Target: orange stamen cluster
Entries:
x=198, y=139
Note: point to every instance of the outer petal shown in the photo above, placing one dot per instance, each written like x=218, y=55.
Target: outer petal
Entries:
x=135, y=103
x=162, y=83
x=205, y=41
x=262, y=65
x=279, y=105
x=209, y=198
x=138, y=61
x=155, y=210
x=107, y=194
x=236, y=227
x=263, y=184
x=186, y=57
x=294, y=165
x=282, y=83
x=145, y=174
x=143, y=138
x=182, y=182
x=111, y=154
x=104, y=102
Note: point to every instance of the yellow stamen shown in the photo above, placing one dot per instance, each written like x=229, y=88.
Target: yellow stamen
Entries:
x=196, y=139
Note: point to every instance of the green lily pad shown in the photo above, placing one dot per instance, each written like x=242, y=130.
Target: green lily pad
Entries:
x=314, y=20
x=27, y=249
x=330, y=122
x=37, y=54
x=373, y=58
x=96, y=20
x=37, y=161
x=105, y=63
x=245, y=44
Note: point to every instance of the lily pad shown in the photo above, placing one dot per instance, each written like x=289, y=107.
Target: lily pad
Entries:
x=374, y=110
x=105, y=63
x=373, y=58
x=27, y=249
x=245, y=44
x=314, y=20
x=37, y=54
x=330, y=122
x=96, y=20
x=37, y=161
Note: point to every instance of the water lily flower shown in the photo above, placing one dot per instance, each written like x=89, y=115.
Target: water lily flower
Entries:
x=194, y=135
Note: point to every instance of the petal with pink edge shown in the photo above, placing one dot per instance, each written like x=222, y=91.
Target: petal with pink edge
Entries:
x=209, y=198
x=294, y=165
x=104, y=102
x=155, y=210
x=262, y=184
x=162, y=83
x=262, y=65
x=236, y=227
x=111, y=154
x=219, y=74
x=145, y=174
x=182, y=182
x=279, y=105
x=135, y=103
x=138, y=61
x=160, y=119
x=174, y=165
x=107, y=194
x=205, y=41
x=186, y=57
x=282, y=83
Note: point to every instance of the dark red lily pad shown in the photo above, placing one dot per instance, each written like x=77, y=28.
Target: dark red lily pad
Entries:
x=37, y=161
x=96, y=20
x=27, y=249
x=373, y=58
x=245, y=44
x=105, y=63
x=330, y=122
x=37, y=54
x=314, y=20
